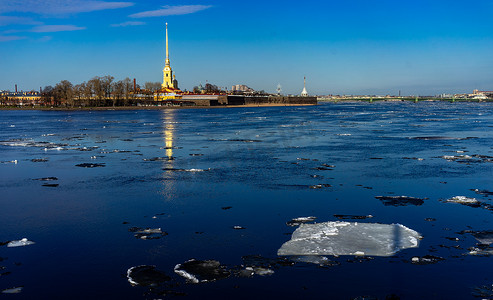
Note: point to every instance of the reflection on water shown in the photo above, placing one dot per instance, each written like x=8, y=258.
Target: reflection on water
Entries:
x=169, y=130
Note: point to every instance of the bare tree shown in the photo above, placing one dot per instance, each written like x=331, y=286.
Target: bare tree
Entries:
x=64, y=92
x=79, y=92
x=118, y=91
x=96, y=88
x=127, y=87
x=152, y=86
x=47, y=95
x=106, y=83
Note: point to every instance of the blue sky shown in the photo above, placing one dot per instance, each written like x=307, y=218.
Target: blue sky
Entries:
x=342, y=47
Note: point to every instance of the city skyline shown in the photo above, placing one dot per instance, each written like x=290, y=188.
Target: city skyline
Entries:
x=355, y=47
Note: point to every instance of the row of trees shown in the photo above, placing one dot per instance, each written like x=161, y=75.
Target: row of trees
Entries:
x=98, y=91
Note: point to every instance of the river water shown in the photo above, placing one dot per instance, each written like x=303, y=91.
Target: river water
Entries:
x=198, y=173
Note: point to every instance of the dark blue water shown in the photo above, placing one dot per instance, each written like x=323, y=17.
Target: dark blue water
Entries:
x=258, y=161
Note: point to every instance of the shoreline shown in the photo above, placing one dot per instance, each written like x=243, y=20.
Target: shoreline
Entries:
x=103, y=108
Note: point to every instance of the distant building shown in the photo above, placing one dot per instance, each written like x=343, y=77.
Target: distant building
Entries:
x=477, y=94
x=20, y=98
x=304, y=93
x=445, y=96
x=242, y=88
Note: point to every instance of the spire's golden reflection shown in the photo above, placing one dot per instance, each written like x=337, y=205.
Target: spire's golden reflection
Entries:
x=169, y=189
x=169, y=130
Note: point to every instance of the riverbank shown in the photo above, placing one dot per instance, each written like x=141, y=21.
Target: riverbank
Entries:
x=153, y=107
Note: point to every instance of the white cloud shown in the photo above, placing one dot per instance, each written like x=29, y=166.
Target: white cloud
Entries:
x=10, y=20
x=171, y=11
x=128, y=23
x=56, y=28
x=8, y=38
x=58, y=7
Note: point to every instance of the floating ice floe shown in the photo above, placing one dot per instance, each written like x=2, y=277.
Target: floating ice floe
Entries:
x=15, y=290
x=185, y=170
x=146, y=276
x=456, y=157
x=30, y=143
x=301, y=220
x=20, y=243
x=39, y=160
x=475, y=158
x=250, y=271
x=426, y=260
x=46, y=179
x=159, y=158
x=10, y=162
x=485, y=193
x=350, y=238
x=197, y=271
x=148, y=233
x=414, y=158
x=481, y=250
x=484, y=292
x=319, y=186
x=437, y=138
x=90, y=165
x=400, y=200
x=484, y=237
x=464, y=201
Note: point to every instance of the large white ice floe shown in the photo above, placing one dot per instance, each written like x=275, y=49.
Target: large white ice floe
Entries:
x=350, y=238
x=20, y=243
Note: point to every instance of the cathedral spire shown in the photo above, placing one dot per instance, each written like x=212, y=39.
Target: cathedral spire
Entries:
x=167, y=49
x=168, y=80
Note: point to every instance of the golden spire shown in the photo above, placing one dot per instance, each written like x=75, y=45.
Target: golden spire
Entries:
x=167, y=72
x=167, y=50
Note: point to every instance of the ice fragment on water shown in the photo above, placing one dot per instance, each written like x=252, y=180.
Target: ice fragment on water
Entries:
x=484, y=237
x=262, y=271
x=148, y=233
x=146, y=276
x=20, y=243
x=185, y=170
x=197, y=271
x=350, y=238
x=482, y=192
x=426, y=260
x=464, y=201
x=90, y=165
x=297, y=221
x=400, y=200
x=39, y=160
x=481, y=250
x=484, y=292
x=15, y=290
x=46, y=179
x=9, y=161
